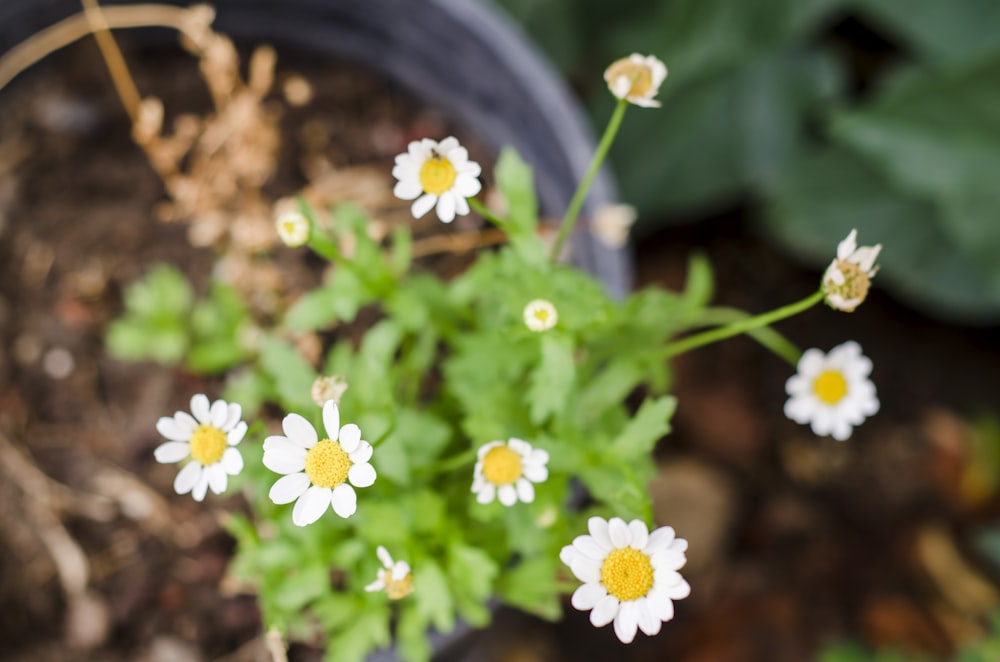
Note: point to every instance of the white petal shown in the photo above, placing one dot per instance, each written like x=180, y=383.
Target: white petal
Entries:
x=311, y=505
x=361, y=475
x=383, y=555
x=423, y=204
x=640, y=534
x=585, y=569
x=172, y=451
x=605, y=611
x=667, y=559
x=400, y=570
x=376, y=585
x=811, y=363
x=362, y=454
x=232, y=461
x=200, y=488
x=598, y=528
x=446, y=207
x=847, y=246
x=679, y=545
x=678, y=591
x=536, y=473
x=487, y=493
x=466, y=186
x=587, y=596
x=187, y=477
x=350, y=438
x=589, y=547
x=799, y=409
x=449, y=144
x=659, y=539
x=186, y=422
x=618, y=530
x=659, y=605
x=525, y=491
x=217, y=479
x=345, y=500
x=276, y=440
x=331, y=419
x=236, y=435
x=233, y=416
x=288, y=488
x=567, y=554
x=200, y=408
x=169, y=428
x=648, y=622
x=461, y=206
x=285, y=459
x=407, y=189
x=626, y=622
x=299, y=430
x=486, y=448
x=519, y=446
x=507, y=495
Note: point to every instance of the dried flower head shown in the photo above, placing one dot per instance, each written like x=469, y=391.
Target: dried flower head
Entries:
x=848, y=278
x=637, y=79
x=395, y=578
x=330, y=387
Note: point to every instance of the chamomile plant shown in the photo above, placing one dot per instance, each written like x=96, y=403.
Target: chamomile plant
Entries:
x=481, y=425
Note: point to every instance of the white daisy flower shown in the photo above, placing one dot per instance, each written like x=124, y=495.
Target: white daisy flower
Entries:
x=636, y=78
x=832, y=391
x=396, y=579
x=437, y=174
x=208, y=438
x=848, y=277
x=507, y=471
x=540, y=315
x=293, y=229
x=629, y=575
x=317, y=471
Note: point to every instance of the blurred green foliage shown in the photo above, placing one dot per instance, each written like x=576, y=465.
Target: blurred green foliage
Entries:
x=986, y=649
x=820, y=115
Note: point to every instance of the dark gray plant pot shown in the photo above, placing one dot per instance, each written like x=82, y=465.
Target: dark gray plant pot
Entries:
x=459, y=56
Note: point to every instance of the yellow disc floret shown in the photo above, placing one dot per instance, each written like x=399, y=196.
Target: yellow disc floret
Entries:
x=853, y=290
x=208, y=443
x=397, y=589
x=327, y=464
x=830, y=387
x=501, y=466
x=437, y=175
x=639, y=76
x=627, y=574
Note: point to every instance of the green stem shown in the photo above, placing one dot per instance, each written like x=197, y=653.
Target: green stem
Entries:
x=573, y=211
x=740, y=326
x=765, y=335
x=482, y=210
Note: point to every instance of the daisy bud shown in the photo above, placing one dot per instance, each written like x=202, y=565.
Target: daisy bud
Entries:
x=848, y=278
x=293, y=229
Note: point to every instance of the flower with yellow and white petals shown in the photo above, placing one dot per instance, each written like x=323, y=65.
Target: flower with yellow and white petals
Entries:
x=507, y=471
x=848, y=277
x=636, y=78
x=629, y=575
x=317, y=471
x=395, y=579
x=208, y=438
x=540, y=315
x=832, y=391
x=434, y=174
x=293, y=229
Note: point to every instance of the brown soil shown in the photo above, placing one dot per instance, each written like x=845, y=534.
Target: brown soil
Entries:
x=795, y=541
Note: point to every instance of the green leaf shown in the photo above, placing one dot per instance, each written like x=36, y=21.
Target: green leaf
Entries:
x=531, y=586
x=516, y=182
x=293, y=376
x=432, y=596
x=368, y=632
x=301, y=586
x=402, y=250
x=472, y=572
x=552, y=379
x=649, y=425
x=411, y=635
x=618, y=487
x=163, y=293
x=133, y=339
x=700, y=282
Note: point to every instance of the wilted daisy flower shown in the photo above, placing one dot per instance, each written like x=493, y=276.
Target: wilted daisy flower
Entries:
x=208, y=438
x=507, y=471
x=629, y=575
x=330, y=387
x=540, y=315
x=848, y=277
x=433, y=173
x=832, y=391
x=317, y=471
x=395, y=579
x=636, y=78
x=293, y=228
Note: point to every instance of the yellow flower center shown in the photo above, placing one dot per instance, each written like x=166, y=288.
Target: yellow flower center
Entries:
x=208, y=443
x=639, y=76
x=289, y=227
x=855, y=286
x=627, y=574
x=437, y=175
x=397, y=588
x=830, y=387
x=327, y=464
x=542, y=315
x=501, y=466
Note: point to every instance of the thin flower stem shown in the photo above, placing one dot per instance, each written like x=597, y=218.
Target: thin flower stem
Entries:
x=740, y=326
x=483, y=211
x=765, y=335
x=454, y=462
x=573, y=211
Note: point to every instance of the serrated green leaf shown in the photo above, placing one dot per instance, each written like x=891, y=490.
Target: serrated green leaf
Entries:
x=516, y=182
x=293, y=376
x=648, y=426
x=531, y=586
x=411, y=635
x=300, y=586
x=432, y=596
x=163, y=293
x=552, y=379
x=472, y=572
x=368, y=632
